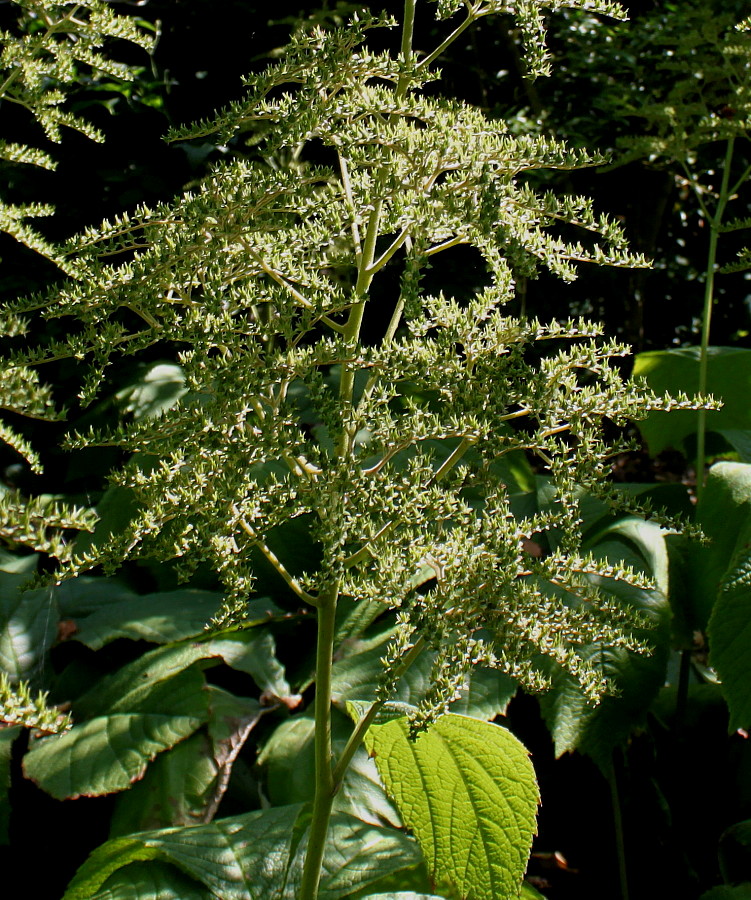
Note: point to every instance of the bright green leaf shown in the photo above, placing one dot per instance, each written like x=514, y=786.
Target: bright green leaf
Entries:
x=467, y=790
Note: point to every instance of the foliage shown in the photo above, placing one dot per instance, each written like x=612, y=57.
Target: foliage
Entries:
x=318, y=425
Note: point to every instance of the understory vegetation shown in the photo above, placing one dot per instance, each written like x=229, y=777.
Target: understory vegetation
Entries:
x=375, y=451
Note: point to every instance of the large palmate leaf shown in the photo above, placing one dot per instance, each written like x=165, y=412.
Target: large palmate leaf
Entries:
x=467, y=790
x=677, y=370
x=357, y=672
x=257, y=856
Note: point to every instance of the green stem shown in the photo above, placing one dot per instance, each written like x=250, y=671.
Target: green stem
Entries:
x=327, y=601
x=324, y=792
x=431, y=57
x=618, y=826
x=715, y=223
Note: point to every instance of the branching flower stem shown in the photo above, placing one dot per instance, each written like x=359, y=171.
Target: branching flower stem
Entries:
x=325, y=787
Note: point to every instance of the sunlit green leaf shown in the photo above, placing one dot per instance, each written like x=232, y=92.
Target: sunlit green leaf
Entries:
x=151, y=881
x=467, y=790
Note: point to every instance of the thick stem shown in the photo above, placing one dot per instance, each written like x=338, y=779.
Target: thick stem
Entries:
x=715, y=223
x=324, y=793
x=327, y=600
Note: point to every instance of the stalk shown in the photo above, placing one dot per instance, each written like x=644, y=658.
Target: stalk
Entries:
x=325, y=786
x=324, y=793
x=715, y=223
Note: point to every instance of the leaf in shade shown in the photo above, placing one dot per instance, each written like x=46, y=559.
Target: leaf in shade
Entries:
x=573, y=721
x=254, y=651
x=257, y=856
x=288, y=758
x=28, y=626
x=357, y=672
x=151, y=881
x=7, y=736
x=109, y=752
x=158, y=618
x=677, y=371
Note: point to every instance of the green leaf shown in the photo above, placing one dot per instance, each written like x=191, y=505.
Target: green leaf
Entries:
x=157, y=388
x=467, y=790
x=402, y=895
x=359, y=854
x=7, y=736
x=254, y=652
x=158, y=618
x=256, y=856
x=151, y=881
x=677, y=371
x=735, y=852
x=724, y=515
x=28, y=626
x=142, y=709
x=530, y=893
x=184, y=785
x=728, y=892
x=357, y=672
x=290, y=771
x=574, y=722
x=172, y=792
x=721, y=583
x=134, y=687
x=110, y=752
x=81, y=597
